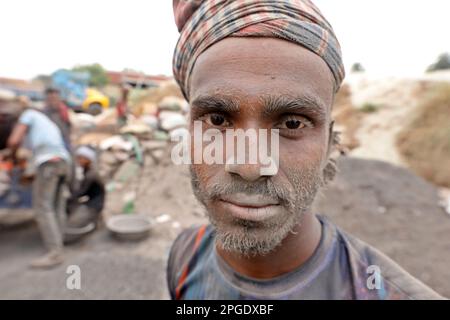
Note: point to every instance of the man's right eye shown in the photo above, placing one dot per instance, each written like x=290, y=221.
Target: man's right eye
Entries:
x=216, y=120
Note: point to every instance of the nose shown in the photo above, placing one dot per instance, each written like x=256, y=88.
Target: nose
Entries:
x=249, y=172
x=252, y=160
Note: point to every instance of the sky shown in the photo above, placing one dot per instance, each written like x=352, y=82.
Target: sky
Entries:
x=388, y=37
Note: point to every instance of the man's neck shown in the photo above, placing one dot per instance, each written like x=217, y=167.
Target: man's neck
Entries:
x=292, y=253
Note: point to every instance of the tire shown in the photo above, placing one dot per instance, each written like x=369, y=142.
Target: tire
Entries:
x=95, y=109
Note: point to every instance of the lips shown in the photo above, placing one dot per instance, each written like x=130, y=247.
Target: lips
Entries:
x=250, y=207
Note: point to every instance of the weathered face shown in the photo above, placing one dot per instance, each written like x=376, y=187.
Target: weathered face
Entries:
x=256, y=83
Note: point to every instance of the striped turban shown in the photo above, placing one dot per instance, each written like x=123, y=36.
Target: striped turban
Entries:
x=203, y=23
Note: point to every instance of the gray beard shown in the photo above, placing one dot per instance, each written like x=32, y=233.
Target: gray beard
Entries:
x=250, y=238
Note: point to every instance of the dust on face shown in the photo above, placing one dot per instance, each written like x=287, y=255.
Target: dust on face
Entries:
x=262, y=84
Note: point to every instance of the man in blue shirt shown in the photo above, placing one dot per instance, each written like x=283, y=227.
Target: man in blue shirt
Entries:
x=51, y=161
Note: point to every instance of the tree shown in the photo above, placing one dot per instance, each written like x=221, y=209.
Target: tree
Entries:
x=99, y=77
x=442, y=63
x=43, y=79
x=357, y=67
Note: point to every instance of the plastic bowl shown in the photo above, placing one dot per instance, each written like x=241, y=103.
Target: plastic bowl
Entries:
x=73, y=234
x=129, y=226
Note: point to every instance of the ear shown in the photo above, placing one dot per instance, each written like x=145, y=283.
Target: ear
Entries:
x=331, y=139
x=330, y=170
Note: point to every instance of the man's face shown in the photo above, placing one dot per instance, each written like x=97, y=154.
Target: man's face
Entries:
x=257, y=83
x=53, y=99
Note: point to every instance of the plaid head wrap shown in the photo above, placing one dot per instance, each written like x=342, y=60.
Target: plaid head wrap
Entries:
x=203, y=23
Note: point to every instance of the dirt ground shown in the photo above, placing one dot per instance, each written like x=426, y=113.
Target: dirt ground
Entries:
x=384, y=205
x=110, y=269
x=396, y=212
x=373, y=135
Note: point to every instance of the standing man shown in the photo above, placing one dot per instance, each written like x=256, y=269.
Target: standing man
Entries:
x=269, y=64
x=122, y=106
x=58, y=112
x=51, y=161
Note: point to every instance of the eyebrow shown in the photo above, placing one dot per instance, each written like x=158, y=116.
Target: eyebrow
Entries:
x=307, y=104
x=216, y=103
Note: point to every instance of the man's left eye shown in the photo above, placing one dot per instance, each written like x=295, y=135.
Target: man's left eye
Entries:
x=292, y=123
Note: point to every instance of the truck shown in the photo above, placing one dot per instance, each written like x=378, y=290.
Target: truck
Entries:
x=76, y=93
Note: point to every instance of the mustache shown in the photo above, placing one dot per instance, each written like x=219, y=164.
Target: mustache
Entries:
x=266, y=188
x=293, y=195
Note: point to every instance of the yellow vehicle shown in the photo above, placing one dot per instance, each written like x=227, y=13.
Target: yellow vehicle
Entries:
x=95, y=102
x=76, y=93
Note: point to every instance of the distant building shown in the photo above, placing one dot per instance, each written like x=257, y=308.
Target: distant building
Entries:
x=136, y=79
x=32, y=90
